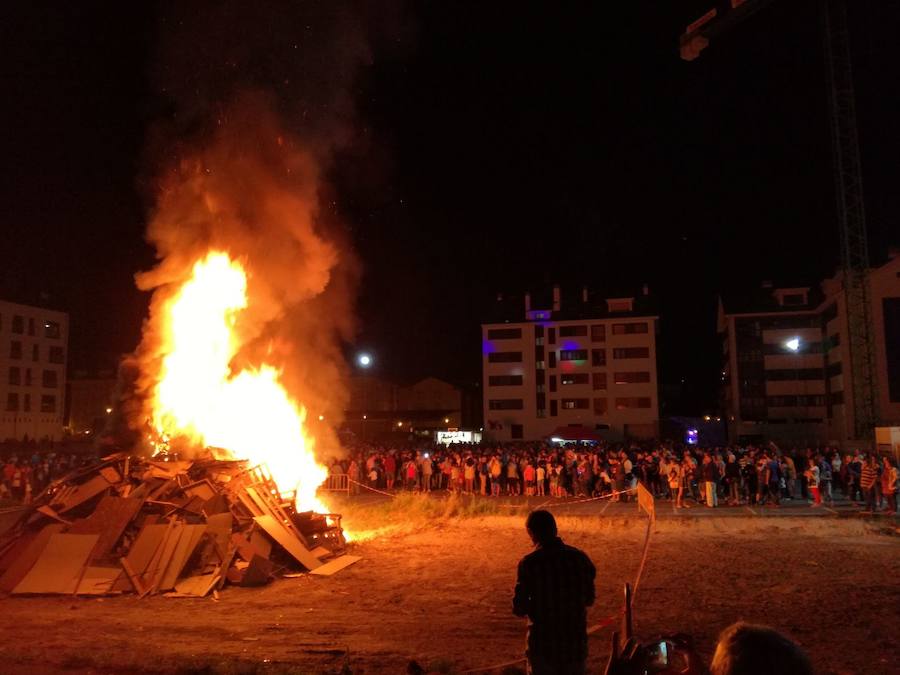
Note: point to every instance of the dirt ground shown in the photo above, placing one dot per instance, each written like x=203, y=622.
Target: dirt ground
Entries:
x=440, y=594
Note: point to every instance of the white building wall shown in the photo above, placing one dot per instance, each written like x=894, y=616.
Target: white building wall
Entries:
x=31, y=405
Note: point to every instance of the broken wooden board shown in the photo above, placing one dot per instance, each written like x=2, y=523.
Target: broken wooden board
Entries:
x=83, y=493
x=202, y=489
x=61, y=565
x=111, y=474
x=288, y=541
x=50, y=513
x=98, y=580
x=25, y=560
x=141, y=553
x=109, y=520
x=336, y=565
x=321, y=552
x=160, y=561
x=194, y=587
x=187, y=543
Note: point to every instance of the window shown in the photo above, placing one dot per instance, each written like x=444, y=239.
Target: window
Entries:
x=505, y=404
x=600, y=406
x=57, y=355
x=575, y=403
x=26, y=404
x=573, y=331
x=12, y=402
x=574, y=378
x=553, y=359
x=540, y=378
x=18, y=324
x=632, y=403
x=598, y=333
x=551, y=335
x=51, y=329
x=48, y=403
x=15, y=375
x=30, y=326
x=780, y=374
x=539, y=333
x=35, y=353
x=631, y=377
x=629, y=328
x=793, y=299
x=49, y=379
x=505, y=357
x=553, y=408
x=15, y=349
x=834, y=369
x=28, y=377
x=631, y=353
x=620, y=305
x=573, y=354
x=504, y=380
x=517, y=431
x=803, y=347
x=837, y=397
x=503, y=333
x=598, y=358
x=540, y=365
x=539, y=353
x=540, y=401
x=599, y=380
x=552, y=384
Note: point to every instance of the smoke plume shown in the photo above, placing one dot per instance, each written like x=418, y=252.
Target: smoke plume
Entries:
x=257, y=101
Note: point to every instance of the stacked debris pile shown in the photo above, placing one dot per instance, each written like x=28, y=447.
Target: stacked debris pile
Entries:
x=180, y=528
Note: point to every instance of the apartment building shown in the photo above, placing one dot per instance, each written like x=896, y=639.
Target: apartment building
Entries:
x=33, y=345
x=786, y=359
x=586, y=362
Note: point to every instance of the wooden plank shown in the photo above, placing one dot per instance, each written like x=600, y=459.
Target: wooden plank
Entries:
x=288, y=541
x=28, y=557
x=156, y=569
x=98, y=580
x=135, y=580
x=321, y=552
x=202, y=489
x=145, y=547
x=50, y=513
x=195, y=587
x=83, y=493
x=111, y=475
x=187, y=543
x=109, y=520
x=336, y=565
x=60, y=566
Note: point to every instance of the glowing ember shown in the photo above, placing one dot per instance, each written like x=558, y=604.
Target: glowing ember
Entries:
x=247, y=413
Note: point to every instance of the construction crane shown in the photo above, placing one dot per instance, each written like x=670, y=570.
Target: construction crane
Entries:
x=847, y=179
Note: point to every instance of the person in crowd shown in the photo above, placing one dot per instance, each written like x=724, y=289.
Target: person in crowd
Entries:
x=554, y=588
x=541, y=477
x=812, y=481
x=469, y=476
x=710, y=480
x=496, y=469
x=889, y=484
x=868, y=478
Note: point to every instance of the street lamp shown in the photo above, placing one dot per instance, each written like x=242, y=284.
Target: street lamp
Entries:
x=364, y=360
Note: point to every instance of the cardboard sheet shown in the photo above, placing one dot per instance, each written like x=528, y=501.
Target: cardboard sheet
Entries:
x=61, y=565
x=24, y=561
x=336, y=565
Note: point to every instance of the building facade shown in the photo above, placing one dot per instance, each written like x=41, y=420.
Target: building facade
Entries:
x=588, y=363
x=33, y=352
x=787, y=372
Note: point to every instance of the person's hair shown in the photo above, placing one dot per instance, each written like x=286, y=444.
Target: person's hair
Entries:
x=747, y=649
x=542, y=525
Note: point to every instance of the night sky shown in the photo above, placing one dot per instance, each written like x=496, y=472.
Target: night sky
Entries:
x=491, y=147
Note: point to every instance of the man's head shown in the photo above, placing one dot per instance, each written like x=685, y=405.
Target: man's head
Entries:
x=747, y=649
x=541, y=526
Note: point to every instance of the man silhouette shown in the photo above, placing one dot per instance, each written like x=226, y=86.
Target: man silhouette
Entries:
x=554, y=588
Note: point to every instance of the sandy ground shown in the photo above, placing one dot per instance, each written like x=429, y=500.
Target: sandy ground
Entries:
x=440, y=594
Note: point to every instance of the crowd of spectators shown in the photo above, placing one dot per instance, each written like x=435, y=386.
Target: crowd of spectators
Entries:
x=686, y=475
x=28, y=468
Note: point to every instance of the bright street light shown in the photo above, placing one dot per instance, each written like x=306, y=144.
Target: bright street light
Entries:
x=793, y=344
x=364, y=360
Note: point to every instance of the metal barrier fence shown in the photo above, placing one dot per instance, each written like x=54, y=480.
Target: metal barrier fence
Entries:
x=337, y=482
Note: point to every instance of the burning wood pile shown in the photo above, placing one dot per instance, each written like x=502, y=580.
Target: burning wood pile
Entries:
x=177, y=528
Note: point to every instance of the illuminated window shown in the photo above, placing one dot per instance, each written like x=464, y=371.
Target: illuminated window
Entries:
x=573, y=354
x=575, y=403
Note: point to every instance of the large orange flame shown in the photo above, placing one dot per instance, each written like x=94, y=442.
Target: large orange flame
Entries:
x=248, y=413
